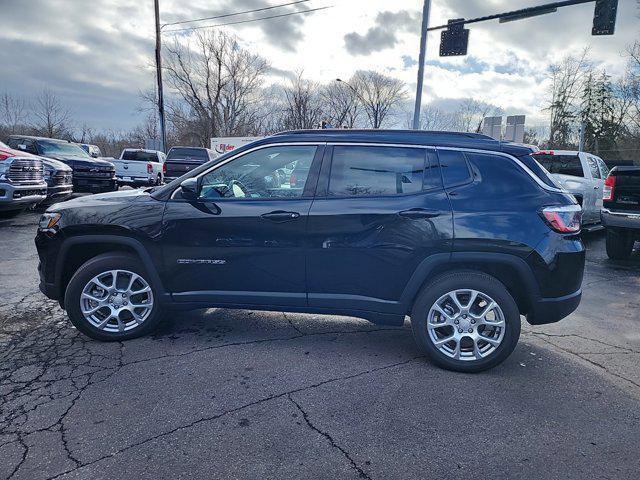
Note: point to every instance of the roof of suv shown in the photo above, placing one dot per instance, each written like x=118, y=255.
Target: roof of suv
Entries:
x=407, y=137
x=32, y=137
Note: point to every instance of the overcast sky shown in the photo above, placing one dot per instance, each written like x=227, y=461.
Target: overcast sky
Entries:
x=98, y=54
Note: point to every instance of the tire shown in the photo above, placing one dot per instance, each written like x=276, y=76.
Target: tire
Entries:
x=619, y=244
x=503, y=331
x=83, y=281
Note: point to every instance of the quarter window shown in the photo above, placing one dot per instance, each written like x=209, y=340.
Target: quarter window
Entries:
x=366, y=171
x=271, y=172
x=593, y=166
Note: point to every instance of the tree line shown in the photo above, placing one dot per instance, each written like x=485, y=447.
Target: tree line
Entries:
x=215, y=88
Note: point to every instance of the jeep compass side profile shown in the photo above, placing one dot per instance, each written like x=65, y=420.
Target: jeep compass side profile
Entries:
x=461, y=232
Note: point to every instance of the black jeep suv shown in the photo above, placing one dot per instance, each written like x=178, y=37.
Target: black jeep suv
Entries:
x=461, y=232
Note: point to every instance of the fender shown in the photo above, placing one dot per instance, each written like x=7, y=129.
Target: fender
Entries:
x=136, y=245
x=460, y=260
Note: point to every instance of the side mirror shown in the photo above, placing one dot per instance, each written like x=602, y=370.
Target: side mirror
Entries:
x=190, y=189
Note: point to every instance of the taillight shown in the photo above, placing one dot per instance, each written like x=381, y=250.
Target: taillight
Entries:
x=565, y=219
x=3, y=156
x=164, y=168
x=609, y=189
x=149, y=168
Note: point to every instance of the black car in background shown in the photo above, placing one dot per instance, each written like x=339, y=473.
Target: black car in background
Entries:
x=89, y=174
x=59, y=178
x=461, y=232
x=181, y=160
x=621, y=210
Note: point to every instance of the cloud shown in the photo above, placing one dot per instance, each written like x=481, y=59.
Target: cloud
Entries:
x=384, y=34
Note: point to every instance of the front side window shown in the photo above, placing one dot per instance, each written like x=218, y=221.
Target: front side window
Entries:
x=365, y=171
x=263, y=173
x=593, y=166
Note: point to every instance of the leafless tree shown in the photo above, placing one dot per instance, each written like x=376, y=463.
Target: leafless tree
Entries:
x=469, y=116
x=303, y=107
x=51, y=117
x=218, y=81
x=567, y=79
x=379, y=94
x=12, y=113
x=341, y=105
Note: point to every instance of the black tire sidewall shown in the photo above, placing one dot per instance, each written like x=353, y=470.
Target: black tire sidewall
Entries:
x=463, y=280
x=90, y=269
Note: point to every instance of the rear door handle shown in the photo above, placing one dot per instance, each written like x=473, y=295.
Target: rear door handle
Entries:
x=280, y=216
x=417, y=213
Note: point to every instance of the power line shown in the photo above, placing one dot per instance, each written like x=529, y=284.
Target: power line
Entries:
x=251, y=20
x=236, y=13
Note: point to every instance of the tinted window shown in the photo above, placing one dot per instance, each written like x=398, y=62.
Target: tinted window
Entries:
x=455, y=170
x=532, y=164
x=182, y=153
x=50, y=147
x=258, y=174
x=139, y=156
x=562, y=164
x=500, y=176
x=360, y=171
x=604, y=170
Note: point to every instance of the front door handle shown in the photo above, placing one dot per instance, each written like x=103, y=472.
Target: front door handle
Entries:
x=280, y=216
x=417, y=213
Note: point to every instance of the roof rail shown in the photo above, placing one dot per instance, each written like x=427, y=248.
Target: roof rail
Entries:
x=347, y=131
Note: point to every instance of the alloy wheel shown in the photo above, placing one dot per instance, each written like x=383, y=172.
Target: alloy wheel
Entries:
x=466, y=325
x=116, y=301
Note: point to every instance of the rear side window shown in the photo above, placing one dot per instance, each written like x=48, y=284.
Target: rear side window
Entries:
x=198, y=154
x=561, y=164
x=455, y=170
x=365, y=171
x=139, y=156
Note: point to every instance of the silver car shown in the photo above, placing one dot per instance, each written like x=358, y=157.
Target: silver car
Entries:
x=581, y=174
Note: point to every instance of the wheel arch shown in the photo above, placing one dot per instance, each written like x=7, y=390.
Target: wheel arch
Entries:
x=512, y=271
x=76, y=250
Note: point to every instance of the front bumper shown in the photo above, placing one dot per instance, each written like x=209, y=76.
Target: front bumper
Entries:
x=14, y=197
x=94, y=185
x=551, y=310
x=58, y=194
x=620, y=219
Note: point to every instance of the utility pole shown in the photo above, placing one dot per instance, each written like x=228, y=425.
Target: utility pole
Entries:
x=163, y=130
x=423, y=53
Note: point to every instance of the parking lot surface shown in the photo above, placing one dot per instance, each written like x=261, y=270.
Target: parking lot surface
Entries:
x=241, y=394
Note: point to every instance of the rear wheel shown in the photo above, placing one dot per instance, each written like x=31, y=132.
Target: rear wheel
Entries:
x=619, y=244
x=111, y=297
x=466, y=321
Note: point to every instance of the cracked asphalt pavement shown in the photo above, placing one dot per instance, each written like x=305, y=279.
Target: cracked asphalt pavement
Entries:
x=241, y=394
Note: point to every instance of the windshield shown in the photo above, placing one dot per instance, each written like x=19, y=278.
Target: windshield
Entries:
x=61, y=148
x=139, y=156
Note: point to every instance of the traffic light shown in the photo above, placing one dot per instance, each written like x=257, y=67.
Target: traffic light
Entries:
x=604, y=17
x=455, y=39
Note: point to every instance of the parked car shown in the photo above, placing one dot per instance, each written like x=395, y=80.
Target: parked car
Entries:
x=22, y=183
x=59, y=178
x=459, y=231
x=181, y=160
x=93, y=150
x=621, y=211
x=581, y=174
x=139, y=167
x=89, y=174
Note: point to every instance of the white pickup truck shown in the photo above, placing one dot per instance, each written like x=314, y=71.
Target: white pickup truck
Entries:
x=139, y=167
x=580, y=173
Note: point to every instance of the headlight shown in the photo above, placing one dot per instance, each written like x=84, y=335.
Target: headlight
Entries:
x=49, y=220
x=48, y=171
x=3, y=170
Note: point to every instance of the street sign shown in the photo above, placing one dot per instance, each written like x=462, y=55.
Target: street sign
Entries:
x=514, y=131
x=454, y=40
x=492, y=126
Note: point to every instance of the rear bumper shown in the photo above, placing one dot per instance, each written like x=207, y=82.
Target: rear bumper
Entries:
x=136, y=180
x=620, y=219
x=551, y=310
x=14, y=197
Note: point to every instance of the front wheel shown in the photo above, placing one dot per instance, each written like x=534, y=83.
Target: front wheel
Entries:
x=466, y=321
x=111, y=297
